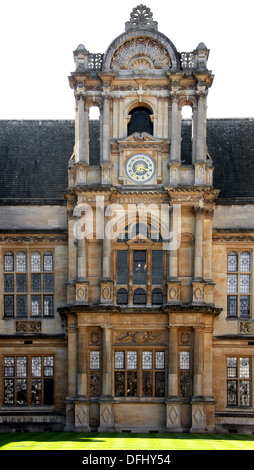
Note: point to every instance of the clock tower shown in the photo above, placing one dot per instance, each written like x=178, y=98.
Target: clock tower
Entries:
x=140, y=289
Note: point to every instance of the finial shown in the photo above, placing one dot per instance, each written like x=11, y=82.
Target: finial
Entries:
x=141, y=17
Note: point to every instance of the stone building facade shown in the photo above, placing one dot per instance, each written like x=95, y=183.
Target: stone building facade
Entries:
x=127, y=251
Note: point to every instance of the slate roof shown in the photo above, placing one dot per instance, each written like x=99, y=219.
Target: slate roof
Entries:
x=34, y=157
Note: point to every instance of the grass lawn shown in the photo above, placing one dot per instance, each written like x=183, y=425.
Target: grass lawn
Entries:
x=124, y=441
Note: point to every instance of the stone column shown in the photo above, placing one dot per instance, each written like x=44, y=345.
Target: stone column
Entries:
x=208, y=232
x=173, y=416
x=82, y=259
x=106, y=129
x=72, y=261
x=201, y=129
x=199, y=403
x=82, y=130
x=82, y=360
x=174, y=149
x=106, y=281
x=198, y=365
x=106, y=400
x=173, y=283
x=198, y=257
x=174, y=161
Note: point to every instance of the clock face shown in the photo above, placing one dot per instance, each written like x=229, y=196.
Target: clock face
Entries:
x=140, y=168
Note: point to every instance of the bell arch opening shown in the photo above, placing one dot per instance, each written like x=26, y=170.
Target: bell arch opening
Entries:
x=140, y=121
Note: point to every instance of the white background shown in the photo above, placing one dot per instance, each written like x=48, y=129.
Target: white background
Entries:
x=37, y=40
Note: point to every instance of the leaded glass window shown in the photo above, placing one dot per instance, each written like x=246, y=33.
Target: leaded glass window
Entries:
x=139, y=267
x=239, y=284
x=157, y=268
x=95, y=374
x=139, y=373
x=28, y=380
x=8, y=261
x=36, y=262
x=185, y=379
x=48, y=261
x=21, y=262
x=22, y=278
x=238, y=381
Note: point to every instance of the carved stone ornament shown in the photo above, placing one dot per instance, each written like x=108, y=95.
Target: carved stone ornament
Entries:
x=246, y=327
x=141, y=17
x=28, y=327
x=141, y=53
x=139, y=337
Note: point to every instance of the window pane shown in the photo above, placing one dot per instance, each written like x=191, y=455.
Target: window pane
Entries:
x=48, y=392
x=139, y=267
x=157, y=298
x=119, y=359
x=244, y=283
x=244, y=367
x=160, y=384
x=244, y=393
x=48, y=282
x=36, y=262
x=21, y=282
x=9, y=283
x=122, y=267
x=8, y=261
x=232, y=261
x=48, y=365
x=48, y=305
x=21, y=262
x=244, y=306
x=95, y=384
x=9, y=366
x=21, y=305
x=48, y=261
x=147, y=359
x=232, y=392
x=159, y=360
x=36, y=282
x=21, y=366
x=131, y=359
x=36, y=391
x=36, y=366
x=9, y=392
x=232, y=283
x=139, y=296
x=132, y=384
x=184, y=360
x=21, y=392
x=157, y=272
x=119, y=384
x=232, y=367
x=122, y=297
x=94, y=360
x=147, y=384
x=245, y=262
x=36, y=305
x=232, y=306
x=9, y=305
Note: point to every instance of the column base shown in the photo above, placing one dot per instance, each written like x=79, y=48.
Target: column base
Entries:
x=106, y=415
x=173, y=415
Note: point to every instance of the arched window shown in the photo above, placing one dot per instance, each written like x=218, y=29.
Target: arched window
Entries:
x=157, y=298
x=48, y=261
x=140, y=121
x=8, y=261
x=36, y=262
x=122, y=297
x=139, y=296
x=21, y=262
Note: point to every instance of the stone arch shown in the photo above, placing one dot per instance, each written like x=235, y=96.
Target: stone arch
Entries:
x=150, y=49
